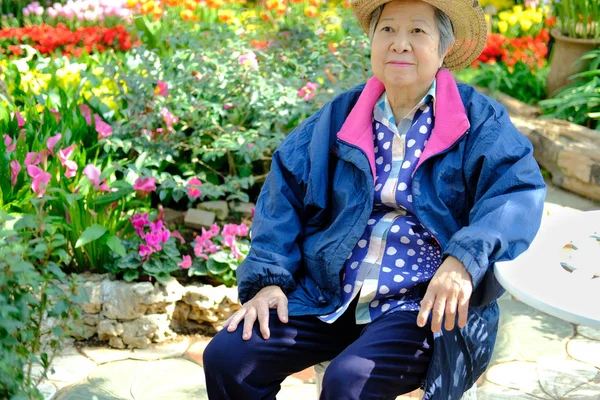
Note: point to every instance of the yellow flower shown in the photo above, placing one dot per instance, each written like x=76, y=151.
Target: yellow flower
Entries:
x=513, y=19
x=504, y=15
x=311, y=11
x=526, y=24
x=226, y=16
x=502, y=26
x=518, y=9
x=538, y=17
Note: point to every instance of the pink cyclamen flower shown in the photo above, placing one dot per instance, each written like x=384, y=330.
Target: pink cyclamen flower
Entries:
x=104, y=130
x=177, y=235
x=228, y=106
x=248, y=60
x=193, y=186
x=15, y=168
x=162, y=88
x=145, y=251
x=9, y=144
x=139, y=221
x=52, y=140
x=230, y=230
x=186, y=263
x=93, y=174
x=145, y=185
x=242, y=230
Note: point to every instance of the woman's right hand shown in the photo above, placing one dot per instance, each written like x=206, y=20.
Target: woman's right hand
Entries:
x=269, y=297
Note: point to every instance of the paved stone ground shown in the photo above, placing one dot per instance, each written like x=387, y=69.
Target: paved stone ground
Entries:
x=537, y=356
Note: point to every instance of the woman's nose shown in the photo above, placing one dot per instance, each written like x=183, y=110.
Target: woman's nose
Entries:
x=401, y=44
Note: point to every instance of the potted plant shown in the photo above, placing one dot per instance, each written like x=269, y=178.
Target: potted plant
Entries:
x=577, y=32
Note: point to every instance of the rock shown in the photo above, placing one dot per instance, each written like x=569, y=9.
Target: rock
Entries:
x=93, y=291
x=198, y=219
x=242, y=208
x=514, y=107
x=116, y=342
x=220, y=208
x=47, y=389
x=172, y=218
x=144, y=330
x=102, y=355
x=569, y=151
x=120, y=302
x=211, y=304
x=108, y=329
x=163, y=293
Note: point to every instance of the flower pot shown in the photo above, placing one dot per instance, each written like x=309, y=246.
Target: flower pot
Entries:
x=565, y=54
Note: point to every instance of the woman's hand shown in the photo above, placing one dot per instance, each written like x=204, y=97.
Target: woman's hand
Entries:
x=449, y=291
x=267, y=298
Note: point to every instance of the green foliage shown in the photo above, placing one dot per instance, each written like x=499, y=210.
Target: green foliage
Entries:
x=578, y=18
x=580, y=101
x=33, y=289
x=521, y=83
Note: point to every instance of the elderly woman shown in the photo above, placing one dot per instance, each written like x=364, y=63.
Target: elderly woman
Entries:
x=381, y=220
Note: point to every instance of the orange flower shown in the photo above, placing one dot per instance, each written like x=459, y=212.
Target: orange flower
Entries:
x=187, y=15
x=281, y=9
x=345, y=4
x=226, y=16
x=214, y=3
x=191, y=5
x=311, y=11
x=271, y=4
x=148, y=7
x=265, y=16
x=297, y=1
x=333, y=47
x=315, y=3
x=259, y=44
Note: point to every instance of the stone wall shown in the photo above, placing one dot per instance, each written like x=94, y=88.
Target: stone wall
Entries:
x=570, y=152
x=134, y=315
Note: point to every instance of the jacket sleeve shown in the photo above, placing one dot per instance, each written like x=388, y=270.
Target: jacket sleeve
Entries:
x=508, y=194
x=278, y=227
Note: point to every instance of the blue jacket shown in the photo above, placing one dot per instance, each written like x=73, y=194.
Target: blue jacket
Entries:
x=477, y=188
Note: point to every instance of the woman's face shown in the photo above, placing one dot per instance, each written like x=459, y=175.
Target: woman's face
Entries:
x=405, y=46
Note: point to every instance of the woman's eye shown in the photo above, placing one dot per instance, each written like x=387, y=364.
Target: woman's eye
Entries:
x=418, y=30
x=386, y=29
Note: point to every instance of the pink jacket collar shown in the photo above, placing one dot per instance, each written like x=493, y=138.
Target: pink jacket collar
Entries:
x=450, y=118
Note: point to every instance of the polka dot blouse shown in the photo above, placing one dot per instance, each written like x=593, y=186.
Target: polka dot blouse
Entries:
x=396, y=252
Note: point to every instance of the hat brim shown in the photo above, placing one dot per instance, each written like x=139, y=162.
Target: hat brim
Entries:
x=468, y=23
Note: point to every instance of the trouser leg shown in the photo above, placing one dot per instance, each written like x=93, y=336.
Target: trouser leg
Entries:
x=254, y=369
x=390, y=358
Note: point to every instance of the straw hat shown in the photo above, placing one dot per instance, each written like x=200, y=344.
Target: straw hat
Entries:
x=468, y=22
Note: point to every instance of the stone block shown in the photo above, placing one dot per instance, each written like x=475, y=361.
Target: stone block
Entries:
x=109, y=328
x=198, y=219
x=219, y=207
x=172, y=217
x=120, y=302
x=242, y=208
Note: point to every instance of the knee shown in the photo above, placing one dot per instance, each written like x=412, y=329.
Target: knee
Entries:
x=344, y=375
x=219, y=356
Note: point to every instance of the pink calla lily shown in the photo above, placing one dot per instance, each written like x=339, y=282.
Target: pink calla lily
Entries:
x=15, y=168
x=104, y=130
x=52, y=140
x=93, y=174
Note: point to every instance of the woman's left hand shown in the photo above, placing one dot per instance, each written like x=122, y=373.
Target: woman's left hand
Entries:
x=449, y=291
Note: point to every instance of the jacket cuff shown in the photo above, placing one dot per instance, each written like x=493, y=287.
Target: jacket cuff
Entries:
x=468, y=260
x=248, y=290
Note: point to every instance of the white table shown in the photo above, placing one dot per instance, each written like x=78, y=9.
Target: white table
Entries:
x=537, y=278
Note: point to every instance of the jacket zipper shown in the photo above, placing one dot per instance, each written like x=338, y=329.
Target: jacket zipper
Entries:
x=447, y=149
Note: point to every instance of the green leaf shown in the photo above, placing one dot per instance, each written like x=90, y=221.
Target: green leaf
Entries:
x=215, y=267
x=91, y=233
x=115, y=244
x=131, y=275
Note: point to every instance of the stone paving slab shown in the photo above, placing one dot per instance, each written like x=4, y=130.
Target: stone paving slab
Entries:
x=526, y=334
x=586, y=350
x=170, y=349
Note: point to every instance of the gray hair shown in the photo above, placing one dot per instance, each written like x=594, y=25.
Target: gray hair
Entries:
x=442, y=20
